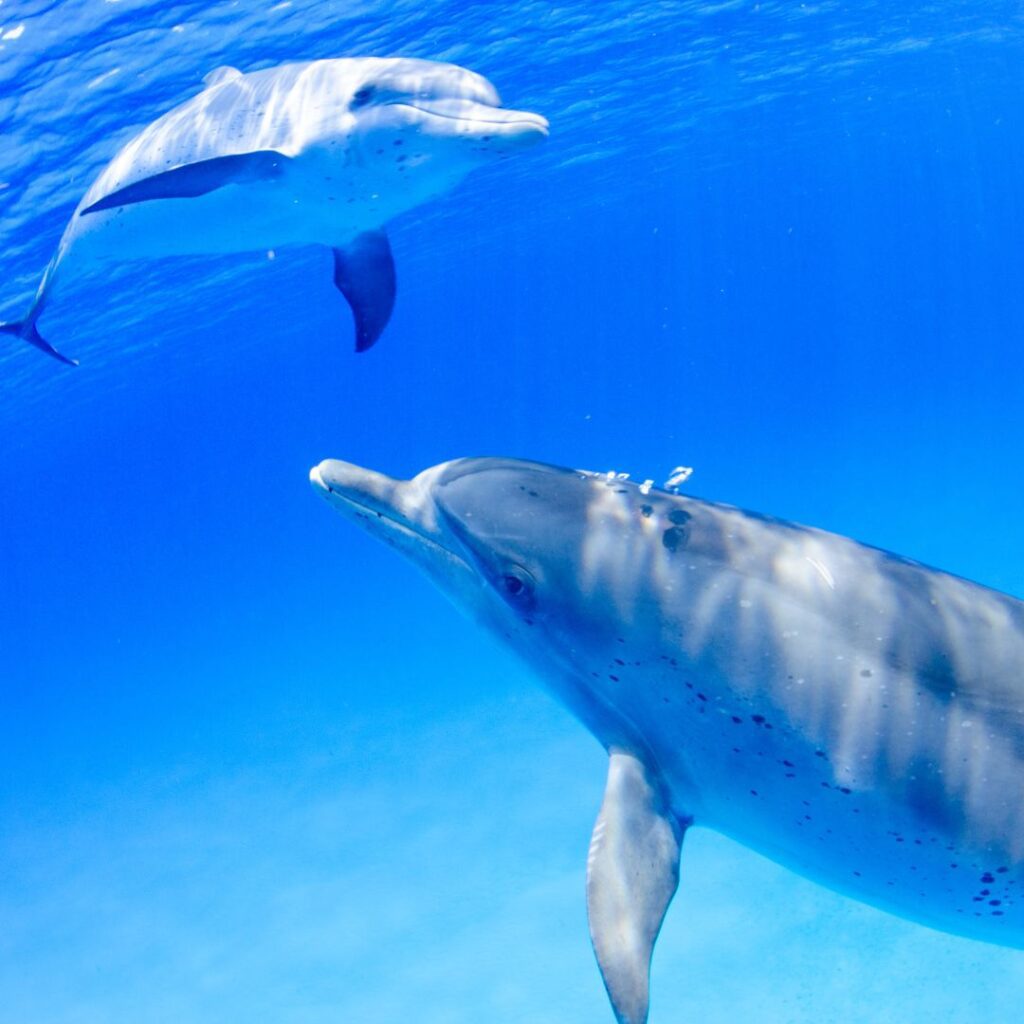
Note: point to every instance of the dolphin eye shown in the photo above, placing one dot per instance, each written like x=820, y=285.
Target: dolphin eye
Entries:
x=516, y=586
x=362, y=97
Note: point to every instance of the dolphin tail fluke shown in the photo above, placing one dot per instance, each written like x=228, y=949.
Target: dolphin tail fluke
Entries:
x=27, y=330
x=632, y=873
x=364, y=272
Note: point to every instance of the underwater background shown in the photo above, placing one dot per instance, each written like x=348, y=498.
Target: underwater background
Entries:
x=252, y=766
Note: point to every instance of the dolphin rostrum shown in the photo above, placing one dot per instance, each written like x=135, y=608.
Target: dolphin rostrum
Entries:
x=320, y=152
x=853, y=715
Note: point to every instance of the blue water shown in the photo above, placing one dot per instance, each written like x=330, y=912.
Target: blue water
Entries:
x=252, y=767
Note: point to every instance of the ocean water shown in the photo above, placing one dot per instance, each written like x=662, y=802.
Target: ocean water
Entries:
x=253, y=767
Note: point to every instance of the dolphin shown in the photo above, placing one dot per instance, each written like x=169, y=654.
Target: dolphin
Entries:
x=853, y=715
x=322, y=152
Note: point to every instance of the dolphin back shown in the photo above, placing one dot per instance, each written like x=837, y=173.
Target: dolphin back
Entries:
x=280, y=109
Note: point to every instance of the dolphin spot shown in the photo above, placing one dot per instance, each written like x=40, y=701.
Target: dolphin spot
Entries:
x=679, y=517
x=674, y=538
x=736, y=720
x=866, y=673
x=987, y=878
x=757, y=719
x=614, y=679
x=645, y=511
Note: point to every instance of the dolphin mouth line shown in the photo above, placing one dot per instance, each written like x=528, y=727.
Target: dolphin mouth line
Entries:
x=520, y=118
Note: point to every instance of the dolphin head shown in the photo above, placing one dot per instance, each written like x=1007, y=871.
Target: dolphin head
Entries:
x=546, y=558
x=447, y=105
x=500, y=536
x=419, y=126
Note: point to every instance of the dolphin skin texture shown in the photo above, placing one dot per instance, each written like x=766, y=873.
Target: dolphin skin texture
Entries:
x=324, y=152
x=853, y=715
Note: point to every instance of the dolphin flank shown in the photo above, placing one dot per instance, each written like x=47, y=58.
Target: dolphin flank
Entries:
x=323, y=152
x=854, y=715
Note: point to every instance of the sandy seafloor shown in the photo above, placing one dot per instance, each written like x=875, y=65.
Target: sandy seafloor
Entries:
x=252, y=767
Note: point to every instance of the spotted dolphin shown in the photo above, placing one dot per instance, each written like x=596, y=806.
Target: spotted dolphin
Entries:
x=322, y=152
x=855, y=716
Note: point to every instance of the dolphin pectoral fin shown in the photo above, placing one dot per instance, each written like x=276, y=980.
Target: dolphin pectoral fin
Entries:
x=196, y=179
x=364, y=272
x=27, y=330
x=632, y=873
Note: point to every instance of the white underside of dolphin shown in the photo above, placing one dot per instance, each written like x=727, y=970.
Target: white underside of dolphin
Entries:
x=851, y=714
x=324, y=152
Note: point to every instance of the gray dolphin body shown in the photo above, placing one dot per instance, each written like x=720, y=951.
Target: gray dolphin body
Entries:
x=322, y=152
x=853, y=715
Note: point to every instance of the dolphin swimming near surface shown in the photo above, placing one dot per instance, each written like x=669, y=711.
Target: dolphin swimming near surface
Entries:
x=853, y=715
x=323, y=152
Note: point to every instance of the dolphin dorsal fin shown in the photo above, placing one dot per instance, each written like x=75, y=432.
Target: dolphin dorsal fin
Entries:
x=221, y=74
x=632, y=872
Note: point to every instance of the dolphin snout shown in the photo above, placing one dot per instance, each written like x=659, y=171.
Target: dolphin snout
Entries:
x=369, y=495
x=351, y=483
x=399, y=512
x=468, y=118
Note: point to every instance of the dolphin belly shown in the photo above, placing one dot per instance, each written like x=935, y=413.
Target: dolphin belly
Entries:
x=852, y=715
x=230, y=220
x=895, y=833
